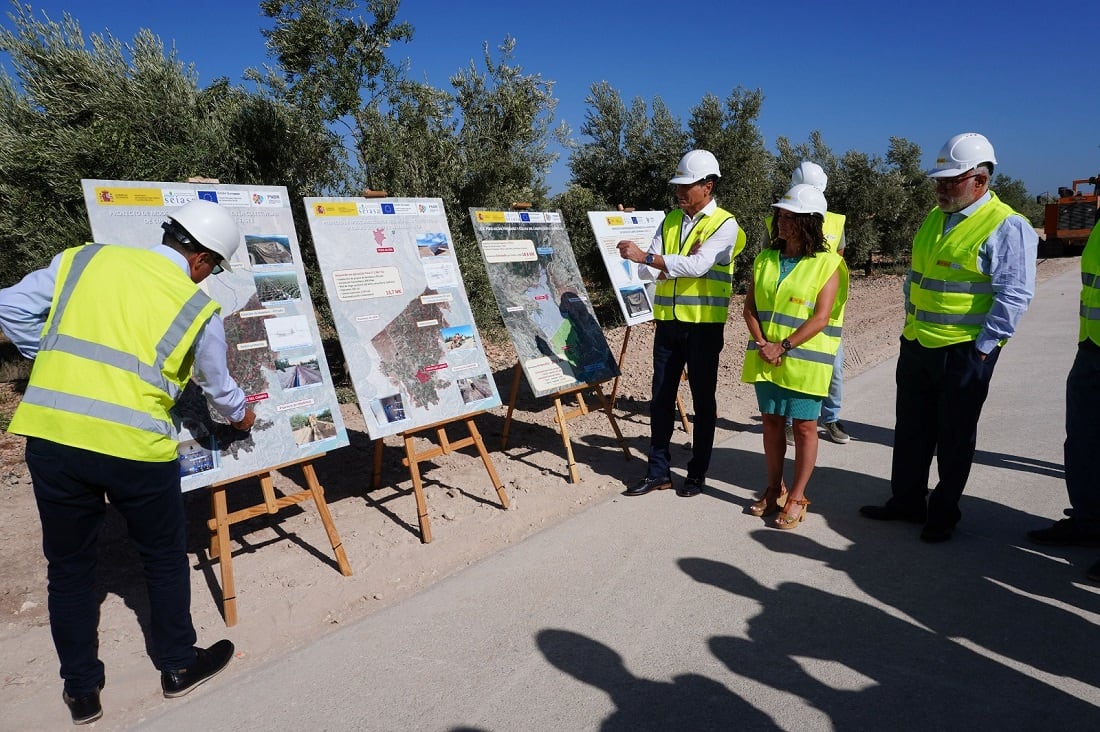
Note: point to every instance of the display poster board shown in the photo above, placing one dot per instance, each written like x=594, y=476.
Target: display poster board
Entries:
x=400, y=307
x=633, y=289
x=273, y=344
x=542, y=298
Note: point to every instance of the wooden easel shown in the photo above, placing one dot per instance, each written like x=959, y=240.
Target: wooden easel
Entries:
x=413, y=458
x=615, y=384
x=564, y=416
x=221, y=520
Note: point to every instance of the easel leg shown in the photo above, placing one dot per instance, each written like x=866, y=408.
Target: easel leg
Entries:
x=376, y=480
x=326, y=519
x=680, y=406
x=622, y=360
x=516, y=372
x=606, y=406
x=573, y=477
x=480, y=444
x=418, y=491
x=220, y=540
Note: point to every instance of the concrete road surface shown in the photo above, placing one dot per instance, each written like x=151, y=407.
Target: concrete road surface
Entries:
x=664, y=613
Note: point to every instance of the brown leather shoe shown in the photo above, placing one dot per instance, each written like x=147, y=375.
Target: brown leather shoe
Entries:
x=645, y=485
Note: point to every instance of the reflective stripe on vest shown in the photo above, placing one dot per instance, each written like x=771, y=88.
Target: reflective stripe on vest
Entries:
x=702, y=299
x=782, y=309
x=104, y=396
x=949, y=296
x=1090, y=289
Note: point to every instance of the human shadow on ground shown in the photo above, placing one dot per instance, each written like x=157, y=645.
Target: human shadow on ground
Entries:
x=986, y=586
x=688, y=702
x=868, y=667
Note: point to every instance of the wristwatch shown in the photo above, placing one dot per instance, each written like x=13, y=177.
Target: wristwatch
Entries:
x=786, y=345
x=649, y=259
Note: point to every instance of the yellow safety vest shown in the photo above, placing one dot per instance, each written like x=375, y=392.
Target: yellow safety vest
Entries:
x=115, y=353
x=703, y=299
x=1090, y=289
x=948, y=294
x=809, y=367
x=832, y=228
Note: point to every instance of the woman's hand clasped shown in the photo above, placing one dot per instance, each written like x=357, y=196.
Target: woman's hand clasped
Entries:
x=772, y=353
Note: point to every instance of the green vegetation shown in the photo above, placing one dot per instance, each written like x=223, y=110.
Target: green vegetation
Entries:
x=334, y=115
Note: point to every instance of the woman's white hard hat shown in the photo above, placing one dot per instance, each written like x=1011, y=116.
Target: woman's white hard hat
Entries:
x=803, y=198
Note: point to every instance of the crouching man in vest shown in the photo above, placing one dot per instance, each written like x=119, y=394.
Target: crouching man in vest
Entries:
x=972, y=278
x=692, y=253
x=115, y=334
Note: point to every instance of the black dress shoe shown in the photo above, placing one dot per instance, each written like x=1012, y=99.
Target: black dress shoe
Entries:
x=932, y=534
x=691, y=487
x=892, y=513
x=648, y=484
x=208, y=662
x=84, y=708
x=1063, y=533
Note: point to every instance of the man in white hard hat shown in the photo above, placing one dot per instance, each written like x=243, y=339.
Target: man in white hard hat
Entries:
x=972, y=278
x=811, y=174
x=692, y=254
x=116, y=333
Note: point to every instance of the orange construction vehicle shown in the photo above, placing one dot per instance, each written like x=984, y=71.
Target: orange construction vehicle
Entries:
x=1069, y=219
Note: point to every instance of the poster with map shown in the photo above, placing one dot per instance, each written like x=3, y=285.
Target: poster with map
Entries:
x=542, y=298
x=401, y=310
x=273, y=345
x=632, y=282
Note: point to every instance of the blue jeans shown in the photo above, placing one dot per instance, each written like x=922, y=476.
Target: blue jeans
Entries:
x=69, y=487
x=830, y=407
x=1082, y=446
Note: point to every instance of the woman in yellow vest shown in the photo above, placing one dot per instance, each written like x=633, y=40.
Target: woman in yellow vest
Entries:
x=794, y=311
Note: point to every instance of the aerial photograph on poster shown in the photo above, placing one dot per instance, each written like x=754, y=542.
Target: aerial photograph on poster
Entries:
x=401, y=309
x=273, y=344
x=542, y=298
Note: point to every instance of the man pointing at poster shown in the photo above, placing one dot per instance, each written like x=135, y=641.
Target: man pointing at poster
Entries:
x=692, y=253
x=115, y=334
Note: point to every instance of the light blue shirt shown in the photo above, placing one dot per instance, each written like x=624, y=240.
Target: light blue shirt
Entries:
x=1007, y=256
x=25, y=306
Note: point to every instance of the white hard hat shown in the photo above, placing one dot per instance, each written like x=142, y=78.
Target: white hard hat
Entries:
x=803, y=198
x=811, y=174
x=210, y=226
x=962, y=153
x=695, y=166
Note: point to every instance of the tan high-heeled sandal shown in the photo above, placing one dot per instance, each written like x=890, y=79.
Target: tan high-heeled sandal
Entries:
x=784, y=520
x=772, y=501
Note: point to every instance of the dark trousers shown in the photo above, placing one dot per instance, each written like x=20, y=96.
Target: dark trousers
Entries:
x=676, y=345
x=69, y=486
x=1082, y=446
x=940, y=393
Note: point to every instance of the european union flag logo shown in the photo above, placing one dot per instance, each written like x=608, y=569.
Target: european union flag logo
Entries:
x=207, y=195
x=525, y=217
x=387, y=208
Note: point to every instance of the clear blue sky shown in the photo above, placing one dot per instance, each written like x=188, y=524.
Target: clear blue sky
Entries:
x=1023, y=74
